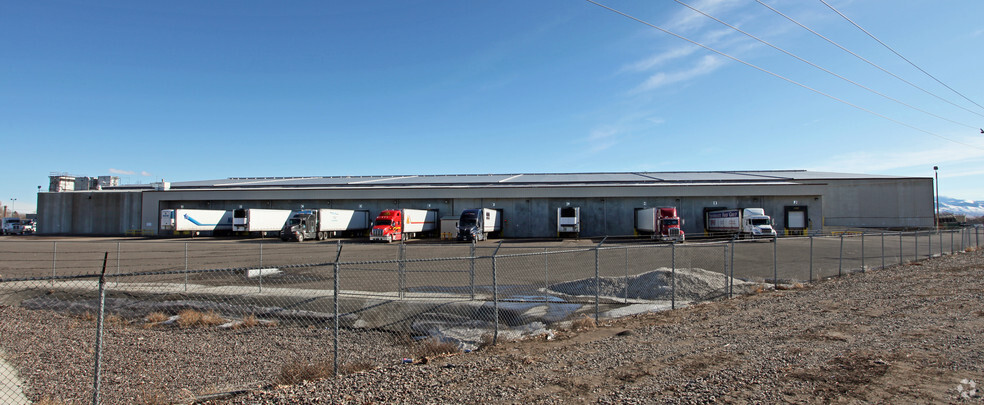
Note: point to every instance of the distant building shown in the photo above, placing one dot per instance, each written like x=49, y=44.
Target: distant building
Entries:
x=59, y=182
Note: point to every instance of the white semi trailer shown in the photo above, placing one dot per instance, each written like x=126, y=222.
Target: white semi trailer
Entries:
x=569, y=221
x=259, y=220
x=323, y=223
x=750, y=222
x=194, y=220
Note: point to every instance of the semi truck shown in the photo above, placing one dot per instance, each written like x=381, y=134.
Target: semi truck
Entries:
x=663, y=223
x=477, y=224
x=259, y=220
x=323, y=223
x=568, y=221
x=402, y=224
x=195, y=220
x=741, y=222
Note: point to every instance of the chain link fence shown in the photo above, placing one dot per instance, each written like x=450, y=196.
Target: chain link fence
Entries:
x=155, y=321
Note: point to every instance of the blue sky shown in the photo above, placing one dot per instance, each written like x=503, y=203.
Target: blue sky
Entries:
x=189, y=90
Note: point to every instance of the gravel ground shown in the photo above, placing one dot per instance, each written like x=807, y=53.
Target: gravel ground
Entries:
x=908, y=334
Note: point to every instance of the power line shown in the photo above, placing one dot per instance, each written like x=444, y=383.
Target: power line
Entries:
x=824, y=69
x=867, y=61
x=753, y=66
x=898, y=54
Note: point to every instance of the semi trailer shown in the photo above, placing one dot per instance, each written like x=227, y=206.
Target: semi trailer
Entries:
x=403, y=224
x=663, y=223
x=259, y=220
x=477, y=224
x=323, y=223
x=742, y=222
x=195, y=220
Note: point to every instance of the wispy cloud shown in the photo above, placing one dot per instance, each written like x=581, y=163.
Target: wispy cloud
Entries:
x=704, y=66
x=687, y=20
x=129, y=172
x=883, y=161
x=660, y=58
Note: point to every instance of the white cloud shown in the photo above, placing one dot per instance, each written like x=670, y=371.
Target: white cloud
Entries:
x=129, y=172
x=601, y=139
x=687, y=19
x=882, y=161
x=706, y=65
x=660, y=58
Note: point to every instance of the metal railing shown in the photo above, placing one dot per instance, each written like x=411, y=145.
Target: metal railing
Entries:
x=173, y=319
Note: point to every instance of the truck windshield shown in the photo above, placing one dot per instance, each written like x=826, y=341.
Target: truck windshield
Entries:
x=468, y=219
x=383, y=222
x=760, y=221
x=671, y=222
x=295, y=221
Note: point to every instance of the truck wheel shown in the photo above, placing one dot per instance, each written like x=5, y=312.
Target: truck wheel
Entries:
x=300, y=237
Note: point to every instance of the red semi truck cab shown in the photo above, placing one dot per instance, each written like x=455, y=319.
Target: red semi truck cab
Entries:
x=388, y=226
x=669, y=224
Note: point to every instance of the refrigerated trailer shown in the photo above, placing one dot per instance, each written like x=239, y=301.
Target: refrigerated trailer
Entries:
x=259, y=220
x=323, y=223
x=194, y=220
x=568, y=221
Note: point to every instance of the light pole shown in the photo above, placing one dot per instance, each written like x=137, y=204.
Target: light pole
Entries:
x=12, y=209
x=936, y=174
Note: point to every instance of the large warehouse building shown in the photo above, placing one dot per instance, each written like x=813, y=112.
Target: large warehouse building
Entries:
x=798, y=201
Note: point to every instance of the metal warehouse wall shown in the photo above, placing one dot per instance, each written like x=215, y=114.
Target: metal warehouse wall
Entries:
x=527, y=212
x=89, y=212
x=878, y=203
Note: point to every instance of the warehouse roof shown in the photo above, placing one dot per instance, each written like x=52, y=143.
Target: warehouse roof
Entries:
x=519, y=179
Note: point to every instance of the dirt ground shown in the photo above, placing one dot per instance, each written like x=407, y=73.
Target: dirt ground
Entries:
x=905, y=334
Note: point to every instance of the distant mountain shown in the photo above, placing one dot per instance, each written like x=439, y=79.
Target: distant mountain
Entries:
x=962, y=207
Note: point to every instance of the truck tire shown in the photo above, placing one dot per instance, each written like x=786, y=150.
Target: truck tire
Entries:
x=300, y=237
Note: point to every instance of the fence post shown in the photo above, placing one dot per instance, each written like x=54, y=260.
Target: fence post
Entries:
x=117, y=264
x=731, y=282
x=673, y=275
x=840, y=259
x=775, y=261
x=261, y=267
x=99, y=331
x=883, y=249
x=940, y=235
x=811, y=259
x=626, y=291
x=862, y=251
x=900, y=249
x=401, y=268
x=471, y=272
x=337, y=270
x=598, y=278
x=54, y=256
x=952, y=249
x=495, y=295
x=725, y=262
x=186, y=266
x=546, y=273
x=916, y=256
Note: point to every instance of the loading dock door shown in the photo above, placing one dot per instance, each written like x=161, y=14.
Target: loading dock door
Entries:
x=797, y=220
